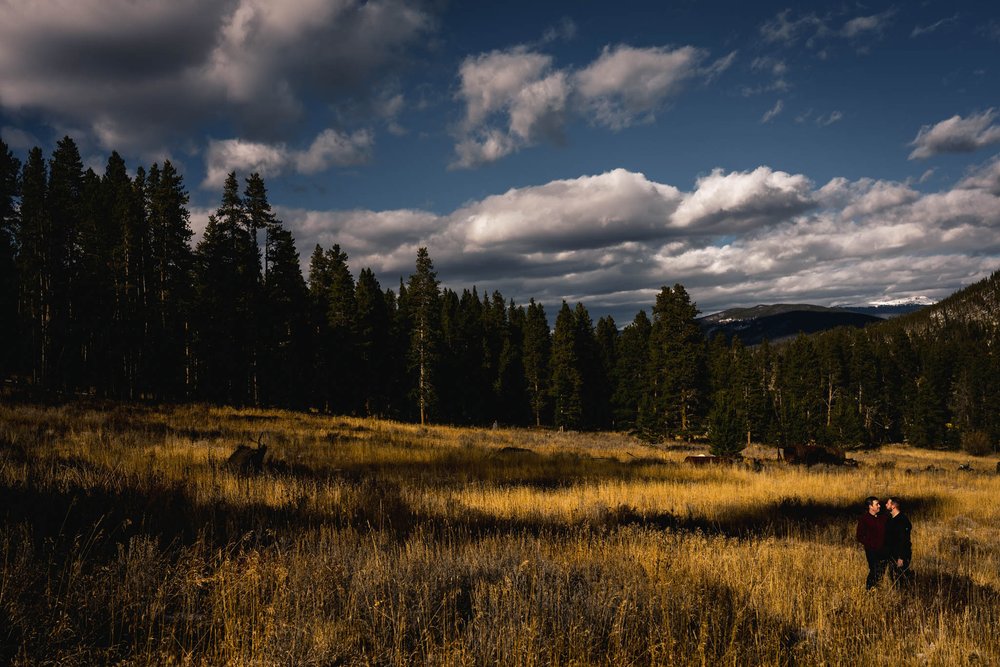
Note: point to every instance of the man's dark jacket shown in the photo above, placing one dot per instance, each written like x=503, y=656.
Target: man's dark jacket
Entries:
x=897, y=538
x=871, y=532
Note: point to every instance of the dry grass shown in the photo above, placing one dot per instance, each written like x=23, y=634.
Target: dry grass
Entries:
x=125, y=540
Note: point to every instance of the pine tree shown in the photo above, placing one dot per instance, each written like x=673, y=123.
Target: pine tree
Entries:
x=494, y=333
x=63, y=257
x=800, y=400
x=595, y=408
x=95, y=289
x=331, y=289
x=729, y=429
x=726, y=424
x=512, y=384
x=677, y=377
x=284, y=326
x=567, y=382
x=423, y=307
x=226, y=291
x=33, y=263
x=606, y=336
x=126, y=226
x=630, y=381
x=928, y=415
x=170, y=290
x=10, y=191
x=537, y=346
x=374, y=344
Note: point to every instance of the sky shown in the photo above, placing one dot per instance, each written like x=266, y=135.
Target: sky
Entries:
x=755, y=152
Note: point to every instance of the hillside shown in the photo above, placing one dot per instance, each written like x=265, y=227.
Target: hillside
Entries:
x=780, y=321
x=979, y=303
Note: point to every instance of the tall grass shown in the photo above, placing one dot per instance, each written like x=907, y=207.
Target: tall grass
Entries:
x=125, y=540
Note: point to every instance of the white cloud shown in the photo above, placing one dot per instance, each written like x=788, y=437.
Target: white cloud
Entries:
x=329, y=148
x=590, y=211
x=864, y=197
x=521, y=89
x=138, y=76
x=776, y=66
x=245, y=156
x=487, y=146
x=986, y=177
x=919, y=31
x=861, y=26
x=957, y=135
x=772, y=112
x=491, y=82
x=784, y=30
x=626, y=84
x=565, y=30
x=815, y=31
x=516, y=98
x=739, y=200
x=737, y=238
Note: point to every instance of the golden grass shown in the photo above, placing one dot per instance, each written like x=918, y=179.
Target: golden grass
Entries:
x=125, y=540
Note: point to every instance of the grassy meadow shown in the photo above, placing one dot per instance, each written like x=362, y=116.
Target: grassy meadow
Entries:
x=125, y=540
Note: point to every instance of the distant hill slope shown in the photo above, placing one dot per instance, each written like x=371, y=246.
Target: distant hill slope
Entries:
x=780, y=321
x=887, y=311
x=979, y=302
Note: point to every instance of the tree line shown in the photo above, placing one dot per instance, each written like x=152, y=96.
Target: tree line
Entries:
x=101, y=292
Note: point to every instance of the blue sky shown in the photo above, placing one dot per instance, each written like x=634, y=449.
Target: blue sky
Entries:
x=754, y=152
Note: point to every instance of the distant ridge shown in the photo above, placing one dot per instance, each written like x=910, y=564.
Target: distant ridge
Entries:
x=888, y=310
x=778, y=322
x=978, y=302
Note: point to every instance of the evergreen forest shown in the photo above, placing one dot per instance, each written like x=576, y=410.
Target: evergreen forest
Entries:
x=102, y=294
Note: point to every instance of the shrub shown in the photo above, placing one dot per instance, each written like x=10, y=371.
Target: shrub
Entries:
x=977, y=443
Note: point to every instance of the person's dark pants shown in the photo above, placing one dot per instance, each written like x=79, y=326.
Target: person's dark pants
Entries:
x=901, y=575
x=876, y=567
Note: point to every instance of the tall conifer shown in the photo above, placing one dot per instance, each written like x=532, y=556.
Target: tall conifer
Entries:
x=423, y=305
x=10, y=182
x=677, y=377
x=537, y=348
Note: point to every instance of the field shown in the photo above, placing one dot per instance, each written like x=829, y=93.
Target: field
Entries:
x=125, y=540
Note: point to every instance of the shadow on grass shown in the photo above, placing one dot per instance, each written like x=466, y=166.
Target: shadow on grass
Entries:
x=951, y=591
x=508, y=466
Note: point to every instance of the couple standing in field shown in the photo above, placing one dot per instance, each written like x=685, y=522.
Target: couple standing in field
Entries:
x=885, y=535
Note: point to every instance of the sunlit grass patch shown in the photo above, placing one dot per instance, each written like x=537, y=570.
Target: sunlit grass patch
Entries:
x=126, y=539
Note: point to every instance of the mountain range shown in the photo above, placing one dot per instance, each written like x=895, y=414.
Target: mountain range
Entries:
x=778, y=322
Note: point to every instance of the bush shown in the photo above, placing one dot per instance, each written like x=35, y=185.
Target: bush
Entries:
x=977, y=443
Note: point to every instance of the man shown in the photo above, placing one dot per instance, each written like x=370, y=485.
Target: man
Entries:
x=871, y=534
x=898, y=548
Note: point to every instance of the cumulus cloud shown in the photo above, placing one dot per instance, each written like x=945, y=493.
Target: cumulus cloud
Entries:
x=138, y=75
x=516, y=97
x=986, y=177
x=957, y=135
x=329, y=148
x=735, y=238
x=521, y=88
x=626, y=84
x=738, y=201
